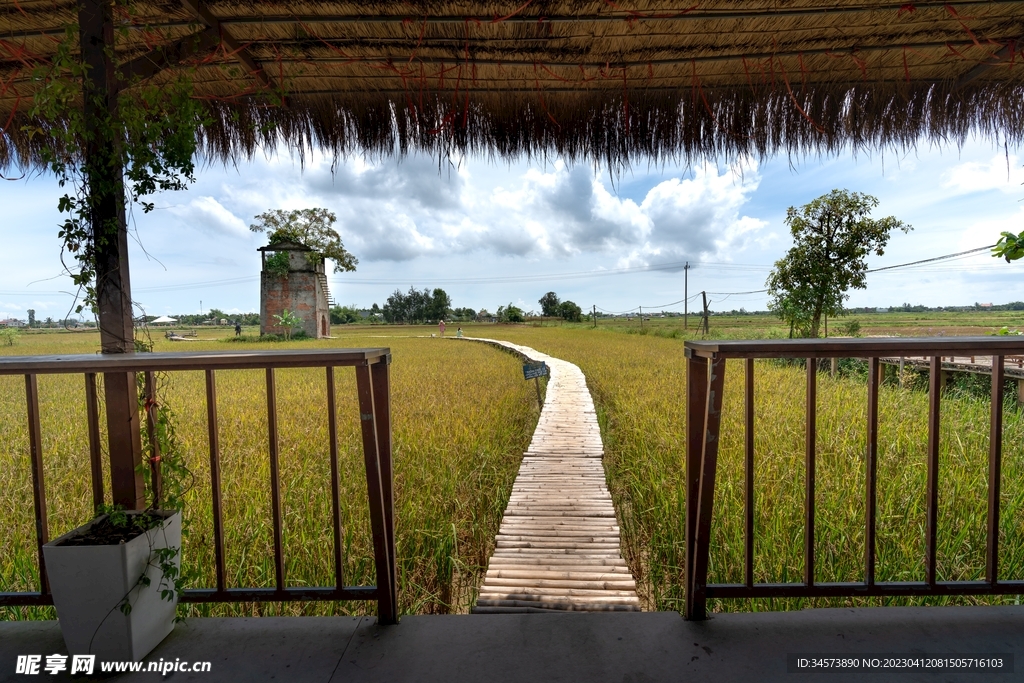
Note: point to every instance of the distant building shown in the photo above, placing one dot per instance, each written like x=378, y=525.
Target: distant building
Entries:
x=11, y=322
x=984, y=305
x=293, y=281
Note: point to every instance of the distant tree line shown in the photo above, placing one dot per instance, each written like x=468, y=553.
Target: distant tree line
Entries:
x=552, y=307
x=416, y=307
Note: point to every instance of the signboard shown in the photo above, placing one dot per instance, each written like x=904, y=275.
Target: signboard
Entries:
x=534, y=370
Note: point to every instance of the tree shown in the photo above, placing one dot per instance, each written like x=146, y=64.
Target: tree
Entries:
x=287, y=320
x=216, y=315
x=1009, y=247
x=549, y=304
x=570, y=312
x=510, y=314
x=31, y=317
x=832, y=236
x=439, y=306
x=309, y=227
x=344, y=315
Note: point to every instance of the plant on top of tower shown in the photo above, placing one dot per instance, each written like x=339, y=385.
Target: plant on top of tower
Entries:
x=310, y=228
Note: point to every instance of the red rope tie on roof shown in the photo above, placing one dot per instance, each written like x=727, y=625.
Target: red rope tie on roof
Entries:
x=907, y=8
x=23, y=54
x=633, y=15
x=540, y=96
x=498, y=20
x=419, y=41
x=556, y=76
x=10, y=119
x=785, y=79
x=21, y=10
x=625, y=100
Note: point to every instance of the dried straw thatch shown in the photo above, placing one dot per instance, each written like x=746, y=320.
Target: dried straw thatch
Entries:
x=602, y=80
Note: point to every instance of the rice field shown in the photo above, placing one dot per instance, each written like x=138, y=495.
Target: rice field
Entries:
x=639, y=387
x=461, y=421
x=462, y=418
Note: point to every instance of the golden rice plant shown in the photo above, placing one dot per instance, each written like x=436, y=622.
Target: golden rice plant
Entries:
x=462, y=417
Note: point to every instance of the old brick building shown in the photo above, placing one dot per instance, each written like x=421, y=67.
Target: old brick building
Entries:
x=293, y=281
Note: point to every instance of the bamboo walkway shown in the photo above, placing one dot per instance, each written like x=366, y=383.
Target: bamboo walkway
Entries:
x=558, y=545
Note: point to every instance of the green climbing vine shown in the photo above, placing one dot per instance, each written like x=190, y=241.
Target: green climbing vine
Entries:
x=154, y=129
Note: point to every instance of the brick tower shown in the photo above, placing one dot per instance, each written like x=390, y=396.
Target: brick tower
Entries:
x=291, y=280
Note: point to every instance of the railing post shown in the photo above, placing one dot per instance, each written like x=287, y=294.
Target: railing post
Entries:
x=35, y=442
x=152, y=420
x=332, y=435
x=810, y=443
x=387, y=609
x=748, y=469
x=215, y=479
x=870, y=473
x=275, y=479
x=995, y=461
x=95, y=450
x=706, y=488
x=380, y=374
x=935, y=382
x=696, y=402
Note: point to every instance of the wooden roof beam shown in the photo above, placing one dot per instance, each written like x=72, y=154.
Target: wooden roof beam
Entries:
x=157, y=60
x=234, y=48
x=999, y=58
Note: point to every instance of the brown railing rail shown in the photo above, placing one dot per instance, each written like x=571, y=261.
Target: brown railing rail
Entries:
x=706, y=363
x=372, y=385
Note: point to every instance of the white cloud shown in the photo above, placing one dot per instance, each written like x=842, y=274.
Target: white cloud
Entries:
x=1000, y=173
x=208, y=213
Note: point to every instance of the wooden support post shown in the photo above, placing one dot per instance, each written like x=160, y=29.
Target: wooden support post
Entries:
x=1020, y=391
x=881, y=374
x=378, y=481
x=835, y=367
x=104, y=179
x=696, y=401
x=696, y=598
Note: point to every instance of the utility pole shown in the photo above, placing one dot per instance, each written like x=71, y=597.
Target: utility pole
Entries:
x=705, y=323
x=641, y=317
x=686, y=292
x=595, y=316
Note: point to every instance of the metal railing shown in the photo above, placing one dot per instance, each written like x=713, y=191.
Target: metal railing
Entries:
x=372, y=385
x=706, y=363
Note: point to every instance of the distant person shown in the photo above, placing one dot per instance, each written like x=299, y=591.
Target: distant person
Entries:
x=458, y=333
x=238, y=329
x=440, y=327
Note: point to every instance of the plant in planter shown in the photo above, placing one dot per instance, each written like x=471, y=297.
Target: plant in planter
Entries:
x=116, y=580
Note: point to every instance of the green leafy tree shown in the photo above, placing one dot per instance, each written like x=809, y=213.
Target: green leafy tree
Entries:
x=287, y=320
x=440, y=305
x=570, y=312
x=549, y=305
x=344, y=315
x=31, y=317
x=1009, y=247
x=309, y=227
x=510, y=314
x=832, y=236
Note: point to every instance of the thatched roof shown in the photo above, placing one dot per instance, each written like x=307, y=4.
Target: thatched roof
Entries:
x=606, y=80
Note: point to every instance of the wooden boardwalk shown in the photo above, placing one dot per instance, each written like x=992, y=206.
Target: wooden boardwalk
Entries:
x=558, y=545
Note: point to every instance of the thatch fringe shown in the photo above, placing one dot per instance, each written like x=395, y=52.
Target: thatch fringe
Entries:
x=683, y=126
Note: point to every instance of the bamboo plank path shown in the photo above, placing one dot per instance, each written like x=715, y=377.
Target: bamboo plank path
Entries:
x=558, y=545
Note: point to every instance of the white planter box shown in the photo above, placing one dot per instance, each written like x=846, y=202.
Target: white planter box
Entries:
x=89, y=582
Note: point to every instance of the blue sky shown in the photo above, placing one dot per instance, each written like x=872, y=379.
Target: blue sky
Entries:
x=491, y=233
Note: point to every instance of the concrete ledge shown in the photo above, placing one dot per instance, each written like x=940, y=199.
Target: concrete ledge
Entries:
x=560, y=647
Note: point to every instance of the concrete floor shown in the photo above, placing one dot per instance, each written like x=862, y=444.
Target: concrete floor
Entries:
x=622, y=647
